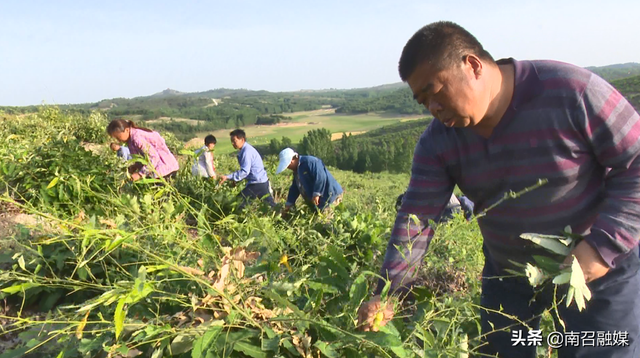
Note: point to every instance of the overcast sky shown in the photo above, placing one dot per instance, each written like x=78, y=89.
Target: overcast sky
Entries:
x=84, y=51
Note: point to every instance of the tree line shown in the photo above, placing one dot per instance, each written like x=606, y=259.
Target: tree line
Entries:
x=389, y=148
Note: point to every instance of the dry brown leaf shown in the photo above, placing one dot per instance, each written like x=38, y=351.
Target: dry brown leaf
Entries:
x=240, y=254
x=297, y=342
x=191, y=270
x=208, y=299
x=258, y=309
x=220, y=315
x=221, y=278
x=239, y=268
x=108, y=223
x=81, y=216
x=203, y=315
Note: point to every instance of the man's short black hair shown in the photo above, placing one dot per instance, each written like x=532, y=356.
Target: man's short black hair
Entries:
x=210, y=139
x=238, y=133
x=441, y=44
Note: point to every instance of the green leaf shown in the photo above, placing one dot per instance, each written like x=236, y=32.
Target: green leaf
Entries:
x=82, y=274
x=288, y=345
x=385, y=290
x=181, y=344
x=18, y=352
x=249, y=349
x=119, y=239
x=19, y=287
x=321, y=287
x=549, y=242
x=342, y=273
x=21, y=263
x=358, y=291
x=270, y=344
x=202, y=344
x=53, y=182
x=546, y=263
x=285, y=303
x=326, y=349
x=383, y=339
x=119, y=315
x=60, y=355
x=562, y=278
x=158, y=352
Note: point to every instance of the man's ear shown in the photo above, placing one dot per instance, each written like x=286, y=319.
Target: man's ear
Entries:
x=475, y=63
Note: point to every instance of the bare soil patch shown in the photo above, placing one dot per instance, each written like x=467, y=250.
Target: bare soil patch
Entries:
x=336, y=136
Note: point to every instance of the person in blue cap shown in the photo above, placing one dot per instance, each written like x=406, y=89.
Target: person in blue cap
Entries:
x=312, y=180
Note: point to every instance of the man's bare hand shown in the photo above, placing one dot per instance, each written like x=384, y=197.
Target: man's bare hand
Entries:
x=316, y=200
x=372, y=315
x=592, y=264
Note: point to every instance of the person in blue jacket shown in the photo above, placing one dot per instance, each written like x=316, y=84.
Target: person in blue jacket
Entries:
x=311, y=179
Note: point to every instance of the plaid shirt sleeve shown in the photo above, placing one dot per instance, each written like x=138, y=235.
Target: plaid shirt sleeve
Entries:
x=429, y=191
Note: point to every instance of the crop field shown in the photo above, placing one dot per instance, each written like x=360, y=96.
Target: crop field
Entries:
x=301, y=123
x=95, y=266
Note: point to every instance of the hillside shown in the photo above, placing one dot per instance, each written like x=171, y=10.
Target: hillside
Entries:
x=630, y=88
x=617, y=71
x=189, y=114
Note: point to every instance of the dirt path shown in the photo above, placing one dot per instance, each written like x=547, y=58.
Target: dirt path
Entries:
x=11, y=216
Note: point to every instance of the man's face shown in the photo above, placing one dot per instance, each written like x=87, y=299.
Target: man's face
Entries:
x=237, y=142
x=453, y=95
x=293, y=165
x=211, y=146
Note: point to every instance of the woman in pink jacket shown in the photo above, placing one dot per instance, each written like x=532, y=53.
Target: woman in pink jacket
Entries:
x=143, y=141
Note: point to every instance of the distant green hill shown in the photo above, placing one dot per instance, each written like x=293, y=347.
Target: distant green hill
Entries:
x=630, y=88
x=617, y=71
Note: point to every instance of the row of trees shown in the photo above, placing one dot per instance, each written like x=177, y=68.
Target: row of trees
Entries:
x=203, y=108
x=272, y=119
x=399, y=101
x=389, y=148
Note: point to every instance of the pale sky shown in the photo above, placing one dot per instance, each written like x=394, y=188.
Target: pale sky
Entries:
x=63, y=52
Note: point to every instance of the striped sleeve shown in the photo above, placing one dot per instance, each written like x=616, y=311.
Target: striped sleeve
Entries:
x=612, y=129
x=429, y=190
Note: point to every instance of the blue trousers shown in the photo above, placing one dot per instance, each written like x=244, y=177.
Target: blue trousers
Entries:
x=256, y=191
x=614, y=307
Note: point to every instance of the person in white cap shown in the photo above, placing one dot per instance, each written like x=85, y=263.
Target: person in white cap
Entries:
x=311, y=179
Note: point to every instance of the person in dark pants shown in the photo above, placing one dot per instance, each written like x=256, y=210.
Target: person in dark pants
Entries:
x=312, y=180
x=501, y=126
x=251, y=169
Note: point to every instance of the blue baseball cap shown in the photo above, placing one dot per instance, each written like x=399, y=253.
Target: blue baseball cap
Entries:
x=285, y=159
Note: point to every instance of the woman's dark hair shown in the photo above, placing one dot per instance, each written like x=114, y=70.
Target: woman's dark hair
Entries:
x=119, y=125
x=210, y=139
